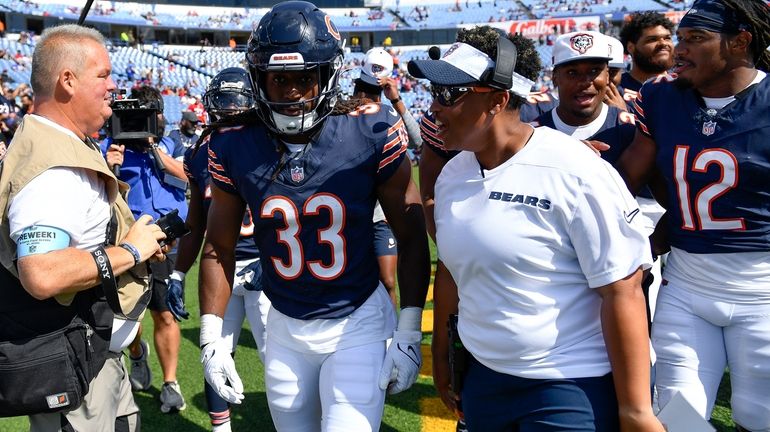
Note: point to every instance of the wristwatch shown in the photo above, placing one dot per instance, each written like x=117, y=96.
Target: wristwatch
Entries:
x=395, y=101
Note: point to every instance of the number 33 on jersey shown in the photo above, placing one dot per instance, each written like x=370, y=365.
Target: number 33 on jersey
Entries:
x=312, y=210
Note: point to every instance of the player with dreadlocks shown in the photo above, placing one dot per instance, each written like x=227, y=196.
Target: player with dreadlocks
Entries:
x=706, y=131
x=756, y=15
x=229, y=101
x=312, y=177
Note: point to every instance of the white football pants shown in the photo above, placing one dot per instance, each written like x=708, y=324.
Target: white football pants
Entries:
x=695, y=337
x=334, y=392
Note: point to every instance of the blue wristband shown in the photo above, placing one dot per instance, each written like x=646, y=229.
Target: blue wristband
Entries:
x=133, y=251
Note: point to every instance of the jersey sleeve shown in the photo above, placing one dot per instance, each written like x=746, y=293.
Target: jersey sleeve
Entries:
x=218, y=164
x=394, y=150
x=606, y=230
x=428, y=131
x=639, y=111
x=643, y=105
x=187, y=164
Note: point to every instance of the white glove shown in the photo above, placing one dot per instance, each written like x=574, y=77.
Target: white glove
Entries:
x=403, y=357
x=218, y=365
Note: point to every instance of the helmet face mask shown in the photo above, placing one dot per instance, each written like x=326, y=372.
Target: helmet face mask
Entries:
x=229, y=93
x=295, y=36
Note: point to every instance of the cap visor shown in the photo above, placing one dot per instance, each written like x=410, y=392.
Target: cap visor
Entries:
x=439, y=72
x=577, y=59
x=368, y=79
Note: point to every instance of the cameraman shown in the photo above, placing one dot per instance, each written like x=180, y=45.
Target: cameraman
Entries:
x=187, y=134
x=156, y=189
x=55, y=205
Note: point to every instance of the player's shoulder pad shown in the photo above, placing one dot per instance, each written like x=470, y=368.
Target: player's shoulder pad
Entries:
x=226, y=129
x=236, y=132
x=372, y=110
x=657, y=84
x=375, y=118
x=663, y=78
x=656, y=90
x=221, y=139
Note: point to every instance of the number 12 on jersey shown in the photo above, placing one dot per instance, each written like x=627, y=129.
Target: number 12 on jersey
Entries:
x=698, y=213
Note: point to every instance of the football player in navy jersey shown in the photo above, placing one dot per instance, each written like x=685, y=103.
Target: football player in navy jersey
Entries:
x=311, y=175
x=582, y=74
x=582, y=78
x=374, y=81
x=647, y=38
x=539, y=103
x=229, y=102
x=706, y=131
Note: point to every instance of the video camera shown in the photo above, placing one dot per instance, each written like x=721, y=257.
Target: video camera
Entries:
x=133, y=120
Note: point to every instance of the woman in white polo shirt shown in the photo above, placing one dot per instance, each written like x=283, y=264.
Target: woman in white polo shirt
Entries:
x=543, y=242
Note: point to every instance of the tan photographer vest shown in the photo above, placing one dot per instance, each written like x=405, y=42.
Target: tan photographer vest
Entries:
x=37, y=147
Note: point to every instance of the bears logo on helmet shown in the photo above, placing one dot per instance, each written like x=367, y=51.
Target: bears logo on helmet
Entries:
x=295, y=36
x=229, y=93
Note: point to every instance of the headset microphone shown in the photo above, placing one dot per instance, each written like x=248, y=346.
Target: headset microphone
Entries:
x=434, y=53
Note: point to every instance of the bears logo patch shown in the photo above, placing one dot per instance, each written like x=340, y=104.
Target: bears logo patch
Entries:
x=581, y=42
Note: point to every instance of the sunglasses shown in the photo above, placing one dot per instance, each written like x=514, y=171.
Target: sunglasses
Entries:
x=448, y=96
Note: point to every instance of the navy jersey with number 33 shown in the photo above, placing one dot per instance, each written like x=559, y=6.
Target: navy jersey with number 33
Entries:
x=313, y=210
x=716, y=163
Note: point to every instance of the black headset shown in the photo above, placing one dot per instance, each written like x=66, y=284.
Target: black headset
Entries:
x=501, y=77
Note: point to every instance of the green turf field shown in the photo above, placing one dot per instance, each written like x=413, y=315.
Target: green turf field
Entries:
x=416, y=410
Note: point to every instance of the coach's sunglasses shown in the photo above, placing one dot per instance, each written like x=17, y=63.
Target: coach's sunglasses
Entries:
x=448, y=96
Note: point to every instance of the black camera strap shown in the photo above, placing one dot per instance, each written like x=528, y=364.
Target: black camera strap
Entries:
x=111, y=236
x=110, y=285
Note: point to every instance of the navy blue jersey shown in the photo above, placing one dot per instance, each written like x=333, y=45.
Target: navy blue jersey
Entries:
x=196, y=169
x=630, y=87
x=313, y=209
x=538, y=103
x=618, y=131
x=6, y=106
x=716, y=163
x=428, y=132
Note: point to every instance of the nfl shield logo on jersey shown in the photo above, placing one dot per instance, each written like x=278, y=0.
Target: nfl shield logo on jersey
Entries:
x=297, y=173
x=709, y=128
